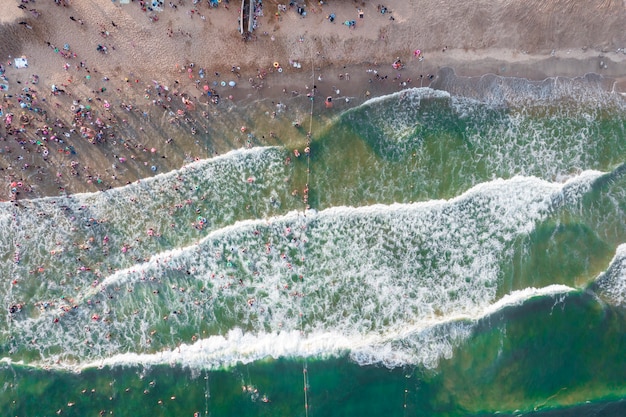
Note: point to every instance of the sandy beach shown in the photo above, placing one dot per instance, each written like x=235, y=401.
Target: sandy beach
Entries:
x=116, y=92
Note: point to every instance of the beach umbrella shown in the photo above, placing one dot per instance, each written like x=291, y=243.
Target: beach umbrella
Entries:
x=232, y=83
x=206, y=88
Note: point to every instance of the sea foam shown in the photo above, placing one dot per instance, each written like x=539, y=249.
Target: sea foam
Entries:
x=397, y=283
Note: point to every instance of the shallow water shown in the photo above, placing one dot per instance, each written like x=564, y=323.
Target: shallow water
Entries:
x=452, y=262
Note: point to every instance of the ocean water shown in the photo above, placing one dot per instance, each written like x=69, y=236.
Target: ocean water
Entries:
x=438, y=253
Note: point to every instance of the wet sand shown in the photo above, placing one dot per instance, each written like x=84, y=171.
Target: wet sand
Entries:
x=140, y=107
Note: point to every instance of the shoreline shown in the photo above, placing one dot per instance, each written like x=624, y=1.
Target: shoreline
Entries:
x=131, y=113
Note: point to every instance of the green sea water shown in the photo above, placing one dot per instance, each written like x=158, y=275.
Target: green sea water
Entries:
x=462, y=255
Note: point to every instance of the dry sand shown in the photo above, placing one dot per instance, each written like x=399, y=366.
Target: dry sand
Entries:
x=533, y=39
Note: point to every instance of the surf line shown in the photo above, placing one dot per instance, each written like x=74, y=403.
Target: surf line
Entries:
x=305, y=378
x=305, y=369
x=307, y=152
x=207, y=394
